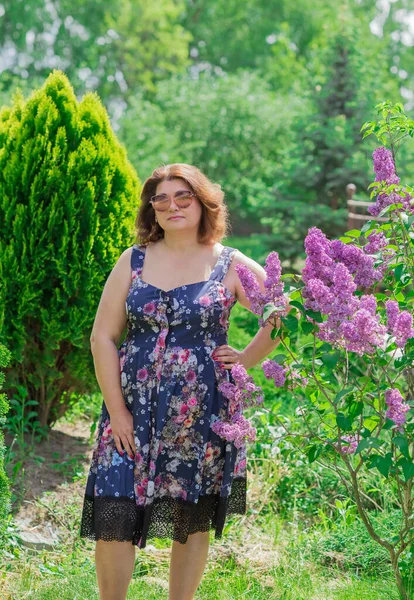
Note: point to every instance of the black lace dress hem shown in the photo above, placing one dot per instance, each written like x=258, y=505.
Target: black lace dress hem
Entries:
x=120, y=519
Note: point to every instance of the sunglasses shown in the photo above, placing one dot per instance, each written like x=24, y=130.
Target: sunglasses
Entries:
x=162, y=202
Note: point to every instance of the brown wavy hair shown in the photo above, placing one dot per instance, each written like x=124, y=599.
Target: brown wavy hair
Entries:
x=214, y=222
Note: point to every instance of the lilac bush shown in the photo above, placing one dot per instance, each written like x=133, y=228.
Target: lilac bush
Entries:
x=349, y=344
x=240, y=394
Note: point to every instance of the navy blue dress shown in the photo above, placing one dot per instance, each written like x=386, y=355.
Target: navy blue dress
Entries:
x=184, y=478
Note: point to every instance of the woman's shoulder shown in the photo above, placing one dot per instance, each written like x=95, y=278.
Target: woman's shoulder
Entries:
x=239, y=258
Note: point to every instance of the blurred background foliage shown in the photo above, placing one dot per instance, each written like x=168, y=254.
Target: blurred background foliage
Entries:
x=266, y=97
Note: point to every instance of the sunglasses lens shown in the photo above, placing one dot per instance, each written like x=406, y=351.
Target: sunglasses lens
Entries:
x=161, y=203
x=183, y=202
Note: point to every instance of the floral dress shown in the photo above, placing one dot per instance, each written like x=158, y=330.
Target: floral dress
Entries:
x=184, y=478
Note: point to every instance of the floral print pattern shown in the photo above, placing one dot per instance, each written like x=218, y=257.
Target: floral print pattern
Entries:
x=169, y=381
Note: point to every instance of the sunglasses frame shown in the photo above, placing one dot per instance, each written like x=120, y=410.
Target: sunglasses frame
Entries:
x=192, y=194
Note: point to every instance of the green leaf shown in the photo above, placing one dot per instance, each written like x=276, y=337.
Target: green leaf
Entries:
x=382, y=463
x=330, y=360
x=402, y=444
x=345, y=423
x=313, y=452
x=277, y=334
x=388, y=424
x=371, y=422
x=407, y=467
x=365, y=432
x=268, y=309
x=325, y=347
x=355, y=409
x=279, y=358
x=298, y=305
x=398, y=271
x=366, y=227
x=291, y=323
x=368, y=442
x=316, y=316
x=354, y=233
x=307, y=327
x=342, y=393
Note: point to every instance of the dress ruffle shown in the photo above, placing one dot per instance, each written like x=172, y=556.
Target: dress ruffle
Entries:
x=120, y=519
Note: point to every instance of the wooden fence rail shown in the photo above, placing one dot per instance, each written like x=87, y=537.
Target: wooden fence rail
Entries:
x=357, y=210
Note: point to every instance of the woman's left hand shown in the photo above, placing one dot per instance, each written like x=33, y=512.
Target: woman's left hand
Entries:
x=227, y=356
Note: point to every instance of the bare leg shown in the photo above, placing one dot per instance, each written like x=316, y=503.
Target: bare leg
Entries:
x=114, y=567
x=187, y=565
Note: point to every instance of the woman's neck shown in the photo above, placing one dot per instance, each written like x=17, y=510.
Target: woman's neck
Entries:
x=180, y=242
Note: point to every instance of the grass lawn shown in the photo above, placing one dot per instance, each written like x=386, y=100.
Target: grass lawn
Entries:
x=257, y=558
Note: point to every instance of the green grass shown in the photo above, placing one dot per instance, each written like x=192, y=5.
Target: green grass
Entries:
x=228, y=580
x=260, y=557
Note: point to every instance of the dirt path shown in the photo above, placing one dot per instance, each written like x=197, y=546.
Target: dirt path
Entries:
x=49, y=482
x=50, y=468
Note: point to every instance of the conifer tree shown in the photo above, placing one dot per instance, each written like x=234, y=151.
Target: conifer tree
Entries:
x=5, y=493
x=68, y=200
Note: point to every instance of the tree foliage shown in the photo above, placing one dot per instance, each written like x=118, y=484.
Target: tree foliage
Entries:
x=232, y=127
x=68, y=198
x=114, y=48
x=5, y=494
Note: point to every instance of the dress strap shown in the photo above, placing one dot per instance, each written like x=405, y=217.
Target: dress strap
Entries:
x=223, y=263
x=137, y=258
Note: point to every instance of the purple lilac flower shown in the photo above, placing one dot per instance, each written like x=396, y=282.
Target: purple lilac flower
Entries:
x=331, y=275
x=240, y=394
x=275, y=371
x=238, y=430
x=376, y=242
x=368, y=302
x=251, y=288
x=384, y=166
x=384, y=200
x=295, y=380
x=273, y=288
x=353, y=441
x=403, y=329
x=357, y=263
x=363, y=333
x=230, y=391
x=240, y=375
x=384, y=169
x=320, y=298
x=318, y=264
x=407, y=203
x=273, y=271
x=392, y=310
x=396, y=407
x=400, y=323
x=251, y=394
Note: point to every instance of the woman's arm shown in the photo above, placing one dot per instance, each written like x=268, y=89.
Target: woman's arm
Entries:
x=262, y=344
x=259, y=347
x=110, y=322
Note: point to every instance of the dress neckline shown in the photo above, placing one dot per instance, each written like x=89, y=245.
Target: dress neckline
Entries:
x=143, y=249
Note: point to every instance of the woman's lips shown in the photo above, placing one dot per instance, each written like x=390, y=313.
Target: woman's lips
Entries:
x=173, y=218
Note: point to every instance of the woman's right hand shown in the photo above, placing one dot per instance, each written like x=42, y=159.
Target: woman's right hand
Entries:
x=123, y=431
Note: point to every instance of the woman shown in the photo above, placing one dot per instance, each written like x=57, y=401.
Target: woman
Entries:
x=158, y=469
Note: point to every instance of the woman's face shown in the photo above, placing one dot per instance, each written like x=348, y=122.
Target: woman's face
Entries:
x=176, y=218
